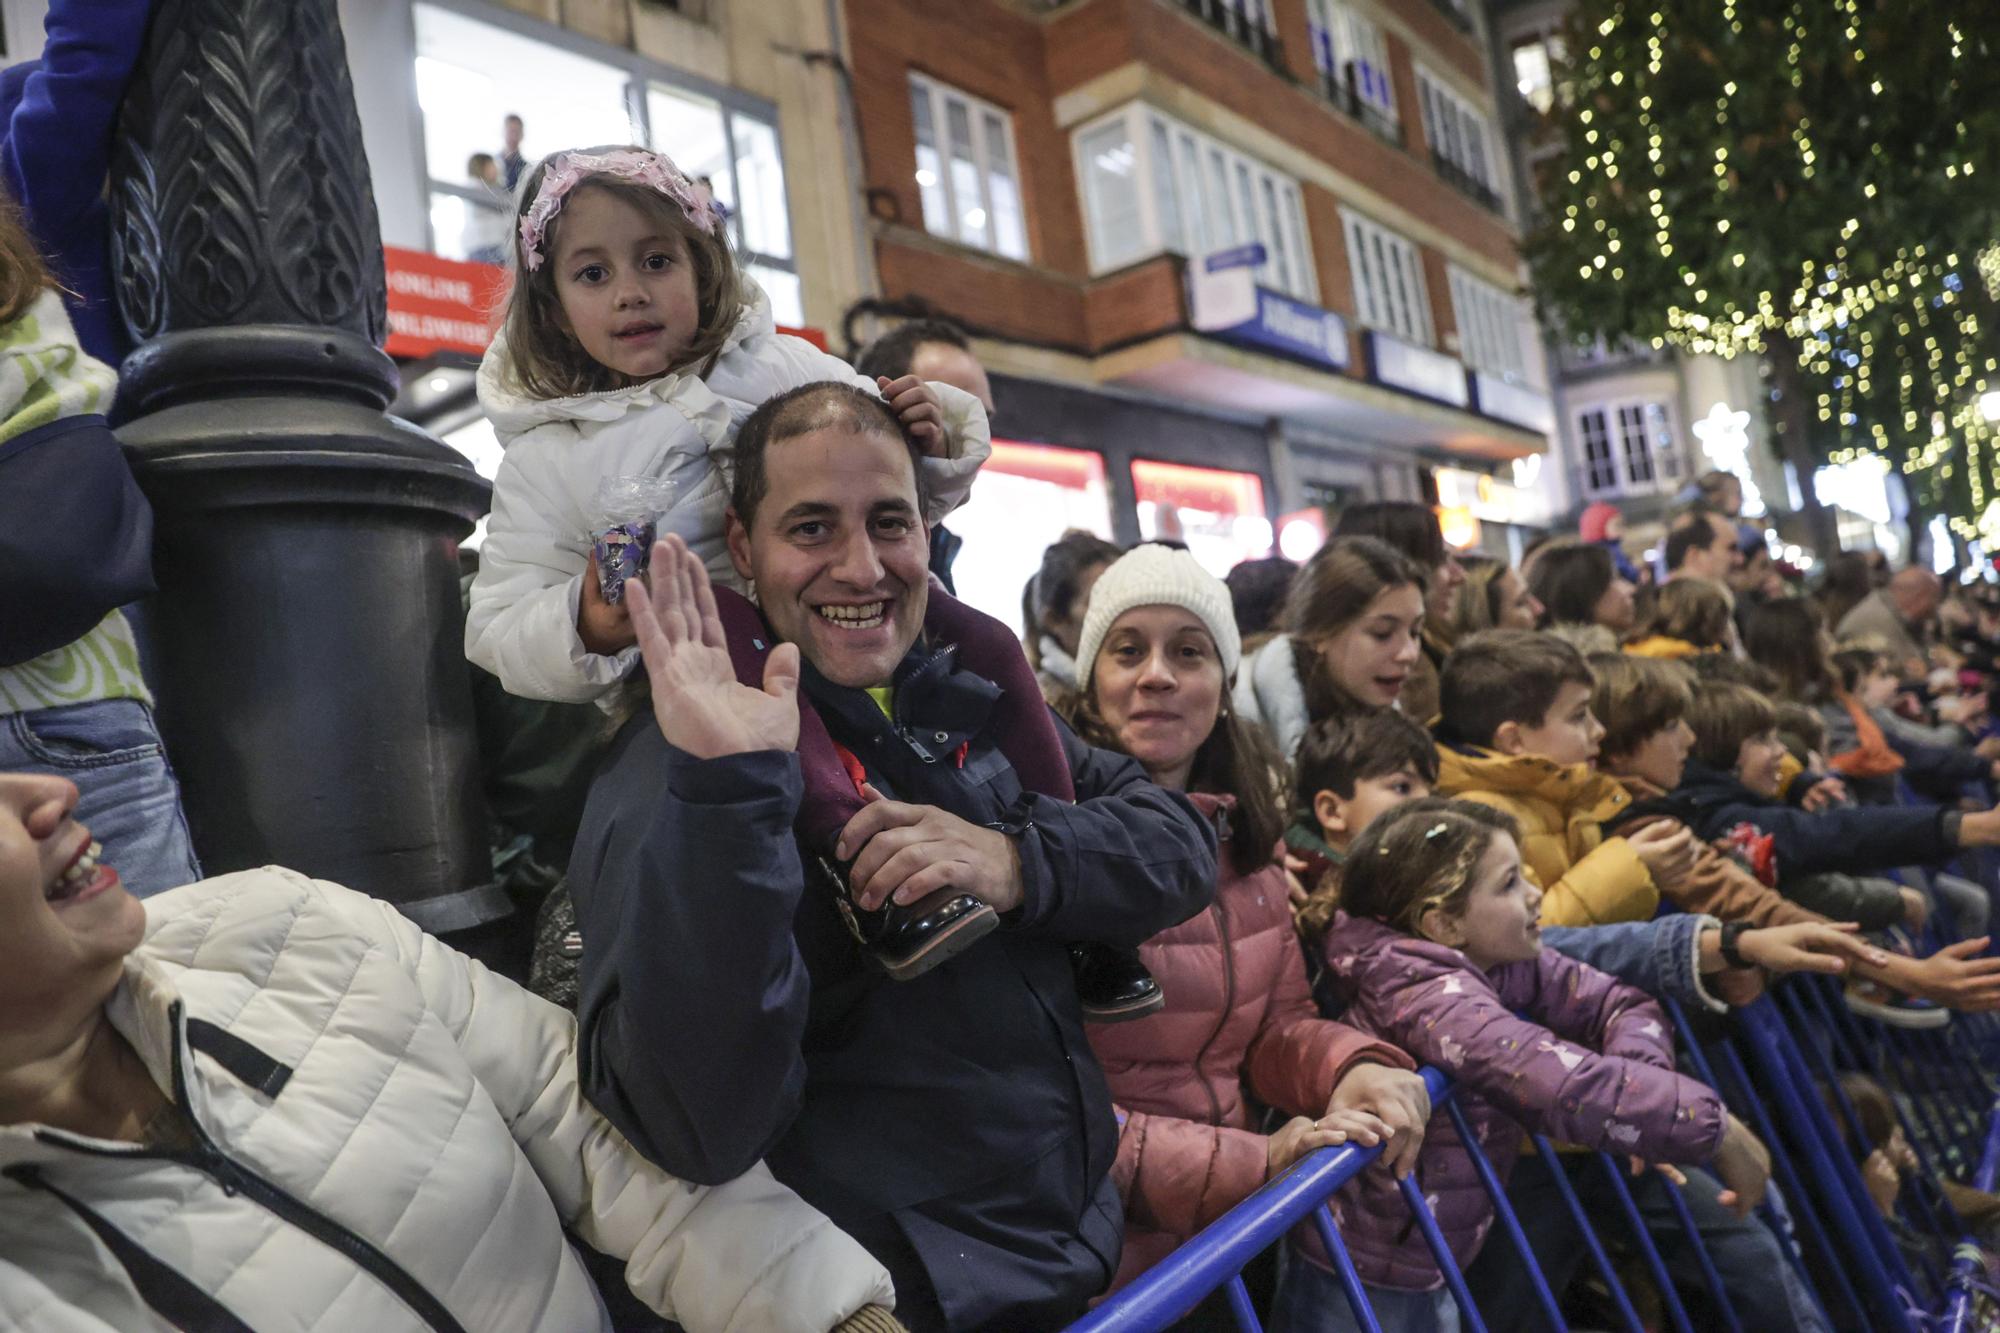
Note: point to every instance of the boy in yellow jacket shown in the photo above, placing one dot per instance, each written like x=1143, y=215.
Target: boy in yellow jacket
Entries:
x=1516, y=732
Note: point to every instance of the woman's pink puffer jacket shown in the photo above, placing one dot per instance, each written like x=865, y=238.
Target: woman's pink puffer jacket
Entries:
x=1548, y=1045
x=1238, y=1015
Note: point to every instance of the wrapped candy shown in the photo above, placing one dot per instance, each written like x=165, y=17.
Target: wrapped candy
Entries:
x=628, y=516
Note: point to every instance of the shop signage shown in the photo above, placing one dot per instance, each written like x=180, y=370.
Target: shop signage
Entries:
x=1512, y=402
x=451, y=305
x=1417, y=370
x=1225, y=300
x=440, y=305
x=1482, y=496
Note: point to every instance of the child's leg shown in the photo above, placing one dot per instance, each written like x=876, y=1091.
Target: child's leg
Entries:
x=1310, y=1300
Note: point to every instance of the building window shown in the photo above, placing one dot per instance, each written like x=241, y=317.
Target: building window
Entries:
x=1246, y=22
x=1458, y=135
x=1151, y=184
x=1535, y=62
x=1628, y=449
x=965, y=169
x=1353, y=62
x=472, y=75
x=1219, y=513
x=1388, y=281
x=1491, y=327
x=1025, y=497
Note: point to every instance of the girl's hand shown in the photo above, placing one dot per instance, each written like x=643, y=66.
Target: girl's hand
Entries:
x=918, y=409
x=1667, y=1169
x=699, y=704
x=1302, y=1134
x=1395, y=1098
x=605, y=627
x=1743, y=1165
x=1884, y=1182
x=1808, y=946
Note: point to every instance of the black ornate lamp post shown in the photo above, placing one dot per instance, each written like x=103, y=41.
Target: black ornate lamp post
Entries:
x=308, y=630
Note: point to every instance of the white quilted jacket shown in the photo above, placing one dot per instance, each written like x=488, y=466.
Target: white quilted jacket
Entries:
x=521, y=624
x=391, y=1138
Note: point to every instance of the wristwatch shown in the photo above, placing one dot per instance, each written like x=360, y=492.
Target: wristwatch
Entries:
x=1732, y=931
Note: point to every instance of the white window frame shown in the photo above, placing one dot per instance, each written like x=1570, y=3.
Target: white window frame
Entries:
x=1447, y=116
x=1493, y=326
x=1662, y=459
x=1389, y=289
x=1339, y=36
x=1255, y=202
x=941, y=97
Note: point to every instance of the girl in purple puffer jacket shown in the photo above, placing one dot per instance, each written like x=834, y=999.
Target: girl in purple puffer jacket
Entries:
x=1437, y=950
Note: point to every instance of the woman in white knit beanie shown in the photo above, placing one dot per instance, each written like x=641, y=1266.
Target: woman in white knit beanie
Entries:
x=1158, y=650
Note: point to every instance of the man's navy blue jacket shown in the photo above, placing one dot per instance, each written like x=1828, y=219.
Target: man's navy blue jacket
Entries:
x=958, y=1122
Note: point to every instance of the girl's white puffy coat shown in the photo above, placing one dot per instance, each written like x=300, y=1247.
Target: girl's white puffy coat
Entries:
x=521, y=624
x=433, y=1108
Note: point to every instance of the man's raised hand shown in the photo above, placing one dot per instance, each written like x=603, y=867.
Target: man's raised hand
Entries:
x=698, y=703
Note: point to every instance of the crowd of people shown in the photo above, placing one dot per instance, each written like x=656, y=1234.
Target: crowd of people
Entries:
x=902, y=970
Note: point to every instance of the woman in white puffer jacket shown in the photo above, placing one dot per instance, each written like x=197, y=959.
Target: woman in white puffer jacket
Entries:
x=286, y=1107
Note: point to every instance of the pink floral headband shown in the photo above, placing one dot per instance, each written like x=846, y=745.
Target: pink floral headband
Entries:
x=566, y=171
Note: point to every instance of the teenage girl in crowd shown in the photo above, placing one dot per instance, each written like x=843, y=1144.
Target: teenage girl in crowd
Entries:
x=633, y=347
x=1437, y=951
x=1413, y=530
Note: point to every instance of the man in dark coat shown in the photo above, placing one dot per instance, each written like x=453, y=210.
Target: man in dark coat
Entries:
x=956, y=1123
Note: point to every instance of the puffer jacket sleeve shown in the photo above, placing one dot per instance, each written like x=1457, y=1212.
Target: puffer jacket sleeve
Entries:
x=1620, y=1100
x=1608, y=884
x=1855, y=839
x=739, y=1257
x=521, y=622
x=1178, y=1176
x=1720, y=888
x=1297, y=1058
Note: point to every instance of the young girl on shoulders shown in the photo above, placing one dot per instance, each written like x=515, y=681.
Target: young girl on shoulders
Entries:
x=632, y=350
x=1438, y=951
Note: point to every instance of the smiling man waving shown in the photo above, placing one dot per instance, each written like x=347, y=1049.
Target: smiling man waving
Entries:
x=955, y=1123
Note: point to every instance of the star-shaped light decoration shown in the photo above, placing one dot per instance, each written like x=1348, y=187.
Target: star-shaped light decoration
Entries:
x=1725, y=437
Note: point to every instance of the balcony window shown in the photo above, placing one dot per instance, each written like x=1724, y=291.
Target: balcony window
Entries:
x=1493, y=327
x=1458, y=135
x=1389, y=289
x=472, y=74
x=1628, y=449
x=966, y=172
x=1151, y=184
x=1245, y=22
x=1353, y=62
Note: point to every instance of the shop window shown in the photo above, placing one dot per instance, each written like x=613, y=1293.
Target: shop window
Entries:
x=1628, y=449
x=966, y=172
x=1026, y=496
x=1389, y=288
x=1219, y=514
x=1152, y=184
x=1492, y=327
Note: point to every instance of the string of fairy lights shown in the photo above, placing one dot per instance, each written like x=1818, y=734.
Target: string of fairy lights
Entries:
x=1897, y=354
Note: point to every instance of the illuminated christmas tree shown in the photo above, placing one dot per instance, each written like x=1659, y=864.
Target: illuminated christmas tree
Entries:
x=1817, y=184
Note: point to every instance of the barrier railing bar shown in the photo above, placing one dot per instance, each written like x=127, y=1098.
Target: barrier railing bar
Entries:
x=1969, y=1259
x=1595, y=1247
x=1509, y=1222
x=1178, y=1283
x=1803, y=1213
x=1709, y=1274
x=1756, y=1023
x=1780, y=1163
x=1644, y=1239
x=1239, y=1305
x=1343, y=1264
x=1413, y=1196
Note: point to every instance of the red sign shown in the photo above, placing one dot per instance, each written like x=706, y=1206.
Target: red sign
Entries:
x=441, y=305
x=450, y=305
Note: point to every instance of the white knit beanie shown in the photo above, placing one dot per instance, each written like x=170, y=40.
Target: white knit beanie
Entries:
x=1157, y=576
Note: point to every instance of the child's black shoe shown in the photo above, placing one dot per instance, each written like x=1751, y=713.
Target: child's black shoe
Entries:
x=1112, y=984
x=910, y=941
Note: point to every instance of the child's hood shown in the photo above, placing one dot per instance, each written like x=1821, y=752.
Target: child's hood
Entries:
x=515, y=412
x=1572, y=788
